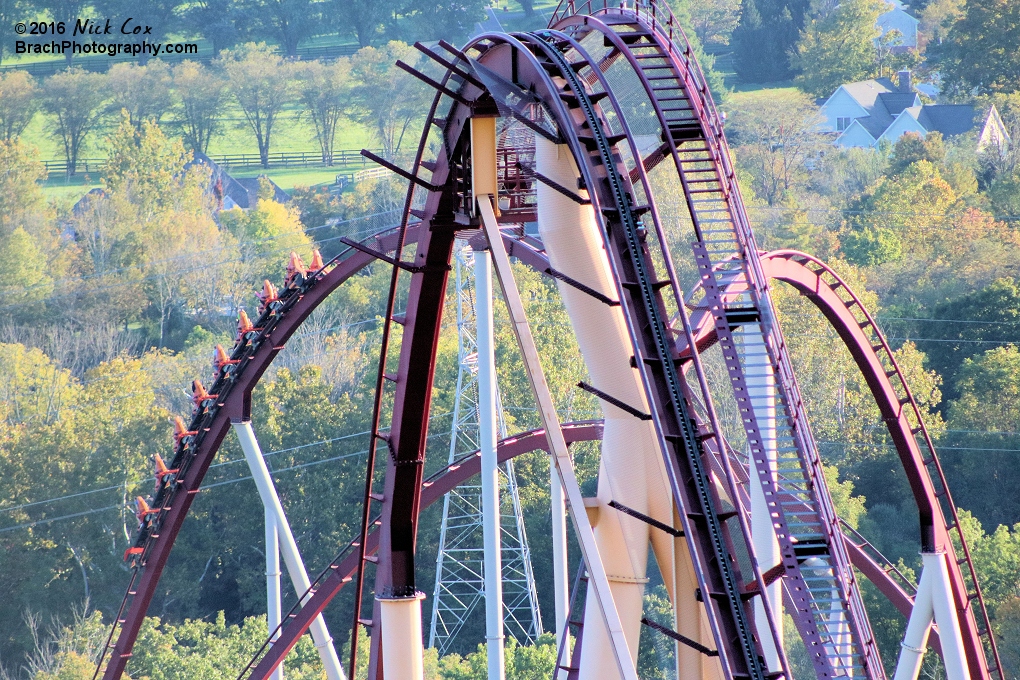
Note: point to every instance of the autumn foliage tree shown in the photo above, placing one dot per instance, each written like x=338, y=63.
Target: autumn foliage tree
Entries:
x=151, y=187
x=326, y=92
x=261, y=84
x=18, y=103
x=198, y=94
x=776, y=136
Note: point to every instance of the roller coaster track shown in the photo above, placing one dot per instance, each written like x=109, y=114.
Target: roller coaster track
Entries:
x=571, y=75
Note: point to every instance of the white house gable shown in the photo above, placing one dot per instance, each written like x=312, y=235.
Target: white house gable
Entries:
x=993, y=132
x=855, y=136
x=839, y=111
x=905, y=122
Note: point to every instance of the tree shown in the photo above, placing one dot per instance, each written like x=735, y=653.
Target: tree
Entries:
x=912, y=147
x=899, y=211
x=67, y=11
x=388, y=99
x=979, y=52
x=289, y=21
x=714, y=20
x=149, y=187
x=216, y=21
x=936, y=19
x=775, y=136
x=765, y=38
x=261, y=84
x=964, y=327
x=325, y=91
x=75, y=99
x=11, y=11
x=18, y=103
x=839, y=48
x=432, y=19
x=198, y=93
x=23, y=276
x=1004, y=193
x=989, y=391
x=206, y=650
x=161, y=16
x=142, y=91
x=22, y=200
x=266, y=236
x=364, y=18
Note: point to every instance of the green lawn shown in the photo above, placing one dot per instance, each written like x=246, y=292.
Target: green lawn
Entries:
x=783, y=88
x=66, y=191
x=288, y=178
x=292, y=132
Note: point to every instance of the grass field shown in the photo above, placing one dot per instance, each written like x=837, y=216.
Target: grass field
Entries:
x=291, y=132
x=780, y=90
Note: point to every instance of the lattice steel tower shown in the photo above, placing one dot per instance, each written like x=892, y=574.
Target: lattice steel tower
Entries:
x=459, y=571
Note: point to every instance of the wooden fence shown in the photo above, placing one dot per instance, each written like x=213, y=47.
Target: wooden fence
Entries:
x=349, y=160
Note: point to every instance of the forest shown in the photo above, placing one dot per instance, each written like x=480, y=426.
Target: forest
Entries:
x=113, y=302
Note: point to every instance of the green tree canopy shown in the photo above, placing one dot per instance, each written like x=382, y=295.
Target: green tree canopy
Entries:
x=765, y=38
x=326, y=92
x=839, y=48
x=199, y=94
x=979, y=54
x=260, y=81
x=142, y=91
x=74, y=99
x=389, y=100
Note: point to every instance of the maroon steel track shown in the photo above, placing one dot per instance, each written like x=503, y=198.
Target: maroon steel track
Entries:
x=194, y=453
x=790, y=267
x=821, y=285
x=403, y=493
x=800, y=270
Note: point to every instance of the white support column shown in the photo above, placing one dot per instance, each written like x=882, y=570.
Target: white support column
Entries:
x=273, y=606
x=493, y=563
x=950, y=635
x=761, y=387
x=561, y=590
x=598, y=578
x=288, y=546
x=918, y=627
x=402, y=650
x=933, y=602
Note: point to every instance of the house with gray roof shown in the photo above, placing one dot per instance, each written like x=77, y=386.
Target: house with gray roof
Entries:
x=233, y=192
x=866, y=113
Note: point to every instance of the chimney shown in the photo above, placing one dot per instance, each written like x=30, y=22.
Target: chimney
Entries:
x=905, y=85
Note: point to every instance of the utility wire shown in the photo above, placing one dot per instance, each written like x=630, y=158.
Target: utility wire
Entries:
x=298, y=466
x=322, y=442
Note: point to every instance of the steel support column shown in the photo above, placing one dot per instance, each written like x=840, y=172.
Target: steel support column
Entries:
x=598, y=579
x=493, y=564
x=273, y=604
x=291, y=556
x=762, y=386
